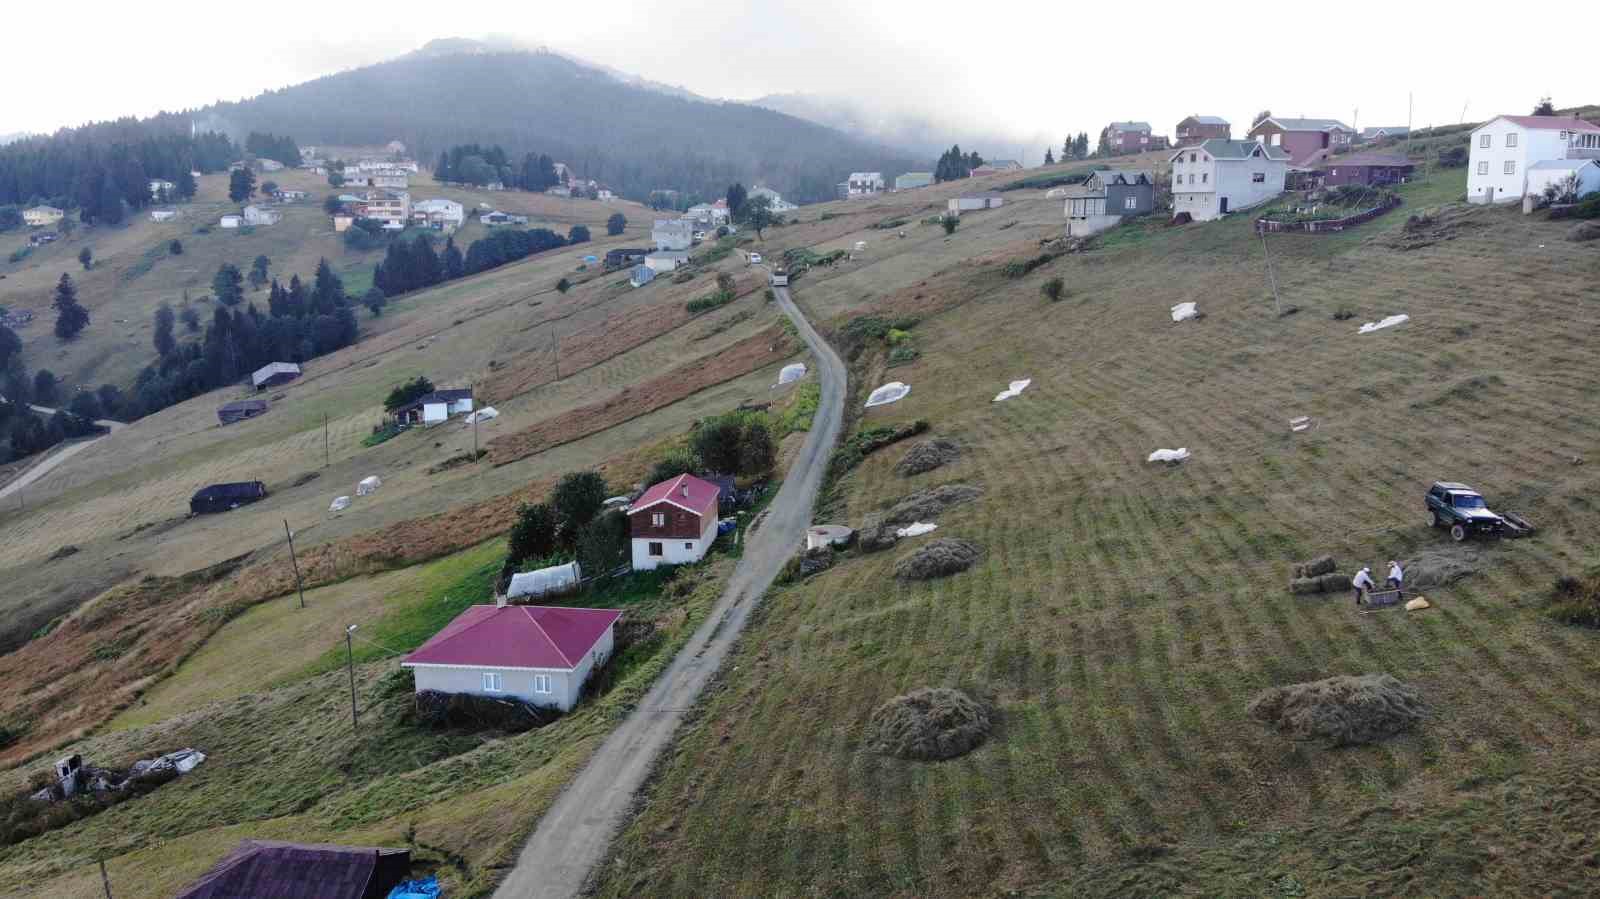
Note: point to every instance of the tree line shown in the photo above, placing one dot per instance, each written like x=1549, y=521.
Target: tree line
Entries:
x=954, y=165
x=270, y=146
x=479, y=165
x=413, y=263
x=103, y=170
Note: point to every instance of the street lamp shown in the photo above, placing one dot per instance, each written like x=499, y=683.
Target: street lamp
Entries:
x=350, y=659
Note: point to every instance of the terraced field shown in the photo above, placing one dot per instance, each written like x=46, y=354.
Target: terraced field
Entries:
x=1124, y=613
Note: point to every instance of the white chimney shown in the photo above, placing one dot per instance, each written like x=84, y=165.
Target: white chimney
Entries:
x=499, y=600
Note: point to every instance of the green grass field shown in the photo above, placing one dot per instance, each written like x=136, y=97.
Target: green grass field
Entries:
x=1124, y=613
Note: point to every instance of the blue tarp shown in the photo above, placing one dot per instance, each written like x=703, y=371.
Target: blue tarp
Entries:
x=424, y=888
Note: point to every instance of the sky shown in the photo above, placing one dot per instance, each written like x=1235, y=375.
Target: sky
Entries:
x=1024, y=72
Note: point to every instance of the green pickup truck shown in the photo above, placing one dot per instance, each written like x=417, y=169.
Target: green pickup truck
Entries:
x=1462, y=510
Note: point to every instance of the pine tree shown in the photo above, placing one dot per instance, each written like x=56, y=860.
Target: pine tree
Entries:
x=184, y=186
x=86, y=258
x=453, y=267
x=441, y=172
x=258, y=272
x=327, y=292
x=71, y=318
x=228, y=285
x=1066, y=148
x=736, y=197
x=241, y=184
x=1048, y=159
x=165, y=343
x=616, y=224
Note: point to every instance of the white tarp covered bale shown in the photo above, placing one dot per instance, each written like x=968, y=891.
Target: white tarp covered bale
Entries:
x=368, y=486
x=1389, y=322
x=484, y=414
x=1015, y=389
x=916, y=529
x=791, y=373
x=892, y=392
x=1183, y=311
x=340, y=504
x=1170, y=455
x=545, y=581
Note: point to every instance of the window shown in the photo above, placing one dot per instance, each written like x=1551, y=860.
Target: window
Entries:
x=1511, y=167
x=1277, y=139
x=1130, y=202
x=1258, y=177
x=491, y=682
x=689, y=547
x=659, y=519
x=1484, y=139
x=1191, y=177
x=1511, y=140
x=1191, y=157
x=1483, y=168
x=655, y=548
x=541, y=683
x=1205, y=177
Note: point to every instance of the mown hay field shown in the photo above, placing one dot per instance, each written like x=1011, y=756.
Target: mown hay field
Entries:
x=1123, y=614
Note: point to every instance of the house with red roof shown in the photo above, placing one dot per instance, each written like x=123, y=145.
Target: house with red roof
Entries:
x=539, y=654
x=674, y=522
x=1514, y=155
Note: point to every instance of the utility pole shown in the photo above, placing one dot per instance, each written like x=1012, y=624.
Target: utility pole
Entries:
x=350, y=658
x=474, y=436
x=1272, y=280
x=105, y=879
x=295, y=562
x=324, y=440
x=555, y=329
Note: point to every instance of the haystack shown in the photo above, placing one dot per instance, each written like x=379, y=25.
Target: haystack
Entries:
x=1341, y=711
x=929, y=724
x=1319, y=566
x=1438, y=568
x=926, y=456
x=925, y=505
x=1322, y=583
x=876, y=534
x=938, y=558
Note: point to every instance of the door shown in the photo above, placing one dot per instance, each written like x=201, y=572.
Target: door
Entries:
x=1223, y=208
x=1488, y=195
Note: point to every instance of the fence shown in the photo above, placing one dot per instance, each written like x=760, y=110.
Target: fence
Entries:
x=1264, y=225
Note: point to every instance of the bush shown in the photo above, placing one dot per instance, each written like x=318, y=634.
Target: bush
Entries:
x=467, y=711
x=1453, y=158
x=1053, y=289
x=576, y=499
x=533, y=535
x=949, y=223
x=673, y=464
x=734, y=443
x=710, y=301
x=1576, y=600
x=405, y=393
x=1584, y=209
x=175, y=248
x=1018, y=268
x=865, y=443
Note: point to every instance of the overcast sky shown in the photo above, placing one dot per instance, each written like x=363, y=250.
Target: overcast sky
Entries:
x=1023, y=70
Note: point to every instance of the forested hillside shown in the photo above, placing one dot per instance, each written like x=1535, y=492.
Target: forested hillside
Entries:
x=633, y=138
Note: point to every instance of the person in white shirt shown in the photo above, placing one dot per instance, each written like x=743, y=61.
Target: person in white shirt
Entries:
x=1362, y=582
x=1397, y=578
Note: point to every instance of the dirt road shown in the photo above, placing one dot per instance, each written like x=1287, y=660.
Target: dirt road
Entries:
x=48, y=464
x=574, y=835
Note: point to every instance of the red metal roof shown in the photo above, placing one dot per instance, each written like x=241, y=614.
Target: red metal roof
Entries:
x=1552, y=122
x=516, y=637
x=684, y=491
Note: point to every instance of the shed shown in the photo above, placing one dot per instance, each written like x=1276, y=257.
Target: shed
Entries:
x=436, y=407
x=231, y=221
x=545, y=581
x=226, y=497
x=641, y=275
x=240, y=410
x=274, y=373
x=1368, y=169
x=280, y=870
x=991, y=200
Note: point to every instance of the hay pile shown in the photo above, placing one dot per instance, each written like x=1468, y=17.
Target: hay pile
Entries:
x=876, y=534
x=1316, y=567
x=1584, y=231
x=1322, y=583
x=1341, y=711
x=928, y=724
x=938, y=558
x=1438, y=568
x=926, y=456
x=925, y=505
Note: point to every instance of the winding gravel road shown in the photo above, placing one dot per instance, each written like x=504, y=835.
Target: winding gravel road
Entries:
x=574, y=835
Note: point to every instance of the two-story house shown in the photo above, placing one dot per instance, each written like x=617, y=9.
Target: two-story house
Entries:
x=1130, y=137
x=864, y=184
x=1197, y=129
x=1107, y=198
x=674, y=522
x=392, y=207
x=1307, y=141
x=1513, y=155
x=1223, y=176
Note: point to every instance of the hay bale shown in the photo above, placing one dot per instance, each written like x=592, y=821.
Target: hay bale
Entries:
x=1319, y=566
x=1341, y=711
x=1584, y=231
x=929, y=724
x=1418, y=604
x=938, y=558
x=925, y=505
x=1439, y=567
x=1322, y=583
x=927, y=455
x=876, y=534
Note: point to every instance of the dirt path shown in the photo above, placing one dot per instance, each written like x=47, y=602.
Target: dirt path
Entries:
x=574, y=835
x=49, y=463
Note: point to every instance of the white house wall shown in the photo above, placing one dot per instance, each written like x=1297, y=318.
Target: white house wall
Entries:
x=675, y=551
x=517, y=683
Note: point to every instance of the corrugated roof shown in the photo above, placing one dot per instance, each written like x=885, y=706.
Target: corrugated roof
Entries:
x=1131, y=126
x=684, y=491
x=1390, y=130
x=269, y=869
x=1131, y=175
x=516, y=637
x=1233, y=149
x=1207, y=120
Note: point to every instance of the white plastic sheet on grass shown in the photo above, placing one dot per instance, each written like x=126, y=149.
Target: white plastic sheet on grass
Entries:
x=484, y=414
x=791, y=373
x=340, y=504
x=1170, y=455
x=545, y=580
x=917, y=529
x=1183, y=311
x=368, y=486
x=1015, y=389
x=1389, y=322
x=892, y=392
x=1055, y=193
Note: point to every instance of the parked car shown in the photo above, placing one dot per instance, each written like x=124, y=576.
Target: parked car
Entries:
x=755, y=258
x=1463, y=510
